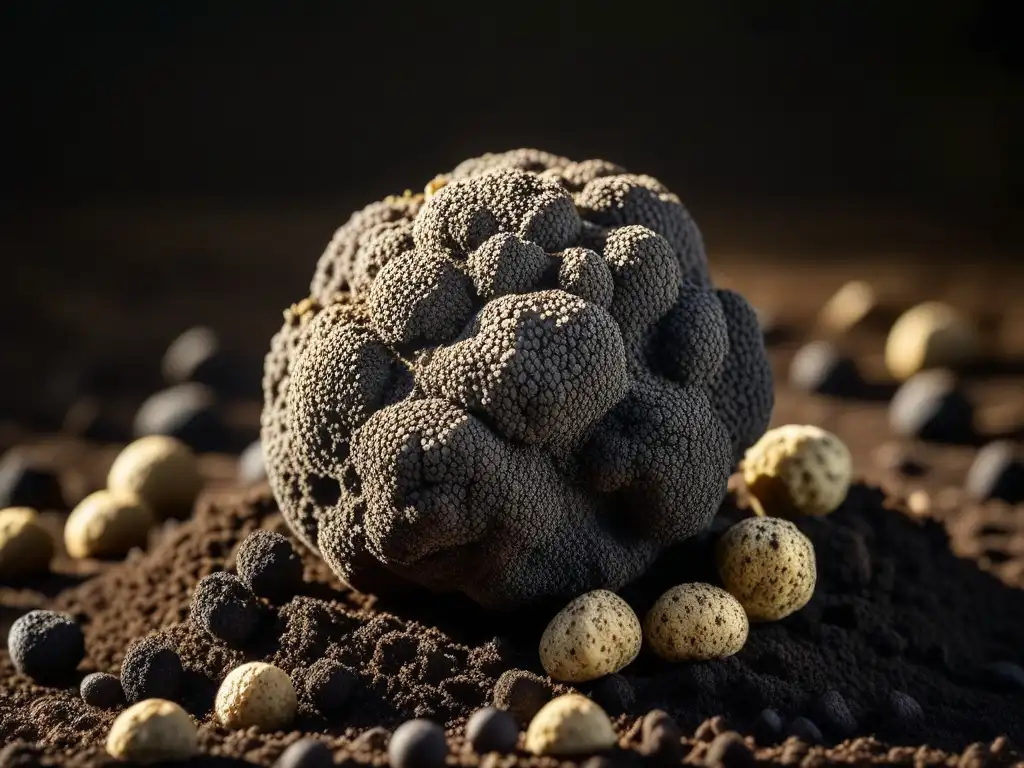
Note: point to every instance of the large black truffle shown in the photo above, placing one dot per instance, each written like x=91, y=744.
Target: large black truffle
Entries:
x=418, y=743
x=151, y=670
x=330, y=685
x=47, y=646
x=931, y=406
x=492, y=730
x=997, y=473
x=225, y=608
x=269, y=565
x=102, y=690
x=25, y=485
x=188, y=412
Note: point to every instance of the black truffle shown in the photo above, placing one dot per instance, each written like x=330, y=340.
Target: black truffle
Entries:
x=901, y=712
x=660, y=738
x=418, y=743
x=252, y=469
x=614, y=693
x=269, y=565
x=805, y=730
x=188, y=412
x=225, y=608
x=492, y=730
x=46, y=646
x=730, y=750
x=997, y=473
x=151, y=670
x=767, y=727
x=833, y=713
x=102, y=690
x=931, y=406
x=819, y=367
x=521, y=693
x=306, y=753
x=330, y=685
x=25, y=485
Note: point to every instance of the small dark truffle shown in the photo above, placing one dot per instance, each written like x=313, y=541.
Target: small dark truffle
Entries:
x=225, y=608
x=306, y=753
x=521, y=693
x=767, y=727
x=150, y=670
x=819, y=367
x=46, y=646
x=730, y=750
x=805, y=730
x=833, y=713
x=269, y=565
x=330, y=685
x=25, y=485
x=931, y=406
x=188, y=412
x=492, y=730
x=902, y=713
x=1005, y=675
x=997, y=473
x=660, y=738
x=614, y=693
x=252, y=469
x=102, y=690
x=418, y=743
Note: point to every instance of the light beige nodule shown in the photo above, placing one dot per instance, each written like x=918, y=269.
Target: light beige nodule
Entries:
x=570, y=725
x=153, y=730
x=696, y=622
x=160, y=470
x=106, y=524
x=931, y=335
x=797, y=469
x=768, y=565
x=848, y=307
x=595, y=635
x=256, y=694
x=26, y=547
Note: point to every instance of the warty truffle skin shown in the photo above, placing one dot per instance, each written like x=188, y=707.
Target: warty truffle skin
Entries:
x=45, y=645
x=519, y=385
x=151, y=669
x=225, y=608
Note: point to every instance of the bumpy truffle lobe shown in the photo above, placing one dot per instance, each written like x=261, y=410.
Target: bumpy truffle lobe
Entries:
x=45, y=645
x=268, y=565
x=696, y=622
x=506, y=263
x=150, y=670
x=584, y=273
x=694, y=337
x=647, y=279
x=222, y=606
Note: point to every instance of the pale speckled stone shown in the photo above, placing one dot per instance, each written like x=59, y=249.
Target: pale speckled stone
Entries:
x=256, y=694
x=797, y=469
x=26, y=547
x=594, y=635
x=696, y=622
x=106, y=524
x=768, y=565
x=931, y=335
x=160, y=470
x=570, y=725
x=153, y=730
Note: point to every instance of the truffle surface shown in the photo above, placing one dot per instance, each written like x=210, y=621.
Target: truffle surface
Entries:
x=45, y=645
x=269, y=565
x=225, y=608
x=151, y=669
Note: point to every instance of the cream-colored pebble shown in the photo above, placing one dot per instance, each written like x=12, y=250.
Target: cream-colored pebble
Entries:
x=26, y=547
x=106, y=524
x=848, y=307
x=256, y=694
x=594, y=635
x=570, y=725
x=797, y=469
x=931, y=335
x=160, y=470
x=768, y=565
x=696, y=622
x=153, y=730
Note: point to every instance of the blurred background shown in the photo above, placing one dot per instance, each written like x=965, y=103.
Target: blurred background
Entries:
x=169, y=164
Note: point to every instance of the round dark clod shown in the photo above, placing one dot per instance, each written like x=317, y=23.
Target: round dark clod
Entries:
x=330, y=685
x=102, y=690
x=269, y=565
x=614, y=693
x=418, y=744
x=24, y=485
x=225, y=608
x=997, y=473
x=1005, y=675
x=521, y=693
x=902, y=712
x=306, y=753
x=45, y=645
x=660, y=738
x=818, y=367
x=730, y=750
x=767, y=727
x=833, y=713
x=492, y=730
x=805, y=730
x=188, y=412
x=150, y=670
x=252, y=468
x=931, y=406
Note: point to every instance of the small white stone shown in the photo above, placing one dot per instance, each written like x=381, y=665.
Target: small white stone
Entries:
x=256, y=694
x=153, y=730
x=570, y=725
x=106, y=524
x=848, y=307
x=160, y=470
x=594, y=635
x=696, y=622
x=931, y=335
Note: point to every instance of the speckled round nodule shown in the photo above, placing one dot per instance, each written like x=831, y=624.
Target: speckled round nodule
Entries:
x=257, y=695
x=26, y=547
x=594, y=635
x=570, y=725
x=153, y=730
x=696, y=622
x=161, y=471
x=106, y=524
